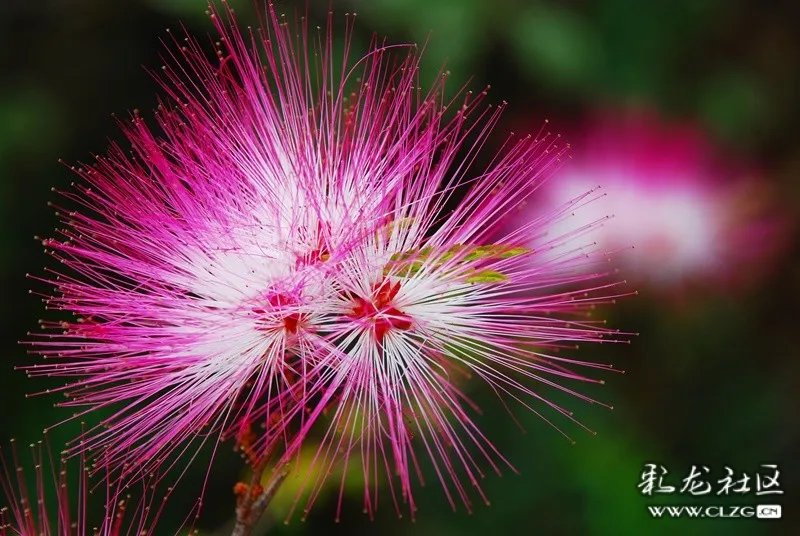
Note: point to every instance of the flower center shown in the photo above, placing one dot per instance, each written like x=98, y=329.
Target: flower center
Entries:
x=281, y=312
x=379, y=311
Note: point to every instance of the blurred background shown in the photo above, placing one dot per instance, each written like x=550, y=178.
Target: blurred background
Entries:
x=684, y=112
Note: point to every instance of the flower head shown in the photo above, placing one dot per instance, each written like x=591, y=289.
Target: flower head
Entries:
x=306, y=245
x=433, y=300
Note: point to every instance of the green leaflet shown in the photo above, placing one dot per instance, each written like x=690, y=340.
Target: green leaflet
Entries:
x=514, y=252
x=486, y=276
x=413, y=253
x=409, y=263
x=403, y=269
x=494, y=251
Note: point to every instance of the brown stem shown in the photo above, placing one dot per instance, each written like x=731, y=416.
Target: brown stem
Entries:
x=250, y=508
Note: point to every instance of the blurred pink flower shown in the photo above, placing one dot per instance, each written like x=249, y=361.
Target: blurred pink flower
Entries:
x=664, y=201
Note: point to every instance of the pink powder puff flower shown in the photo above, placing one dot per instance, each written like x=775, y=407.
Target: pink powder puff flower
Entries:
x=198, y=260
x=300, y=239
